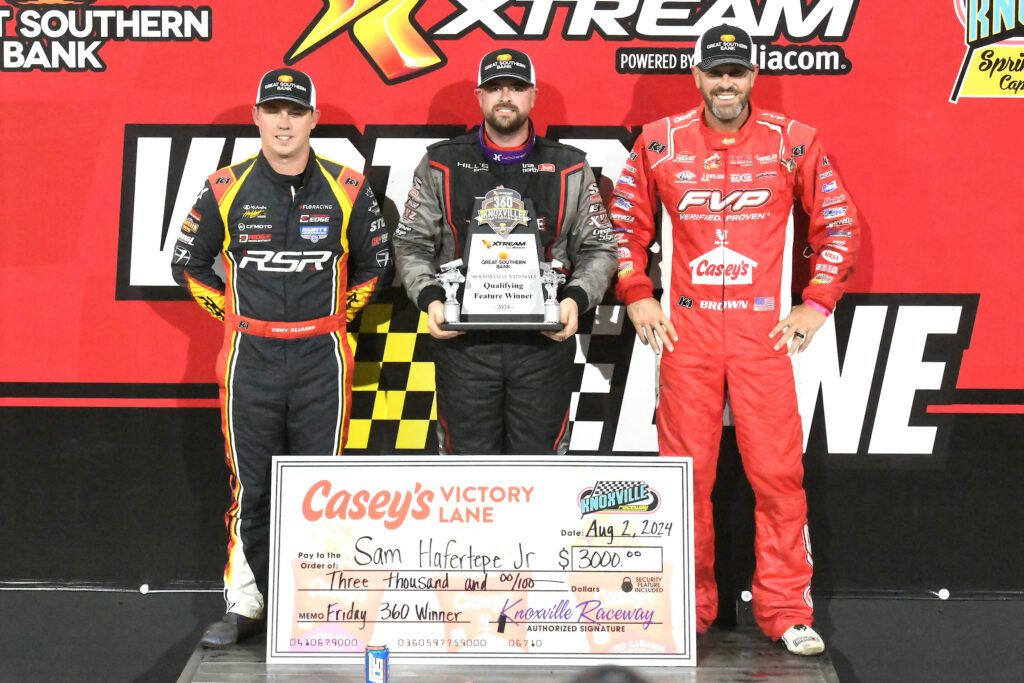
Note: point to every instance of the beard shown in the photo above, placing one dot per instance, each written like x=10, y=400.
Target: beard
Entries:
x=505, y=124
x=726, y=112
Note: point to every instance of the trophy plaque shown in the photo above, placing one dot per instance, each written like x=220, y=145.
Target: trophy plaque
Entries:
x=503, y=284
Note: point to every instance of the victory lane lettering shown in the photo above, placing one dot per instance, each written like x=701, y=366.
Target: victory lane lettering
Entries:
x=456, y=503
x=67, y=35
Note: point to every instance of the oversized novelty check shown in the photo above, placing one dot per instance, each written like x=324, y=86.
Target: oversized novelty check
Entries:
x=541, y=560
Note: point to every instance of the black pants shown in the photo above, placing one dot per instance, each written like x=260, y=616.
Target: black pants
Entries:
x=503, y=397
x=278, y=397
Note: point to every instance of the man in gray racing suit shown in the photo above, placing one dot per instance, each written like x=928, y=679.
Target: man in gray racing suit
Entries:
x=505, y=391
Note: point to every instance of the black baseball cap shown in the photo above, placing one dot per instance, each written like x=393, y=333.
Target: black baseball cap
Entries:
x=724, y=44
x=506, y=63
x=287, y=84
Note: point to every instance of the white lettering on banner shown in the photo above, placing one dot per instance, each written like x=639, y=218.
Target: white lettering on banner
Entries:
x=797, y=19
x=401, y=155
x=609, y=155
x=150, y=258
x=844, y=393
x=905, y=374
x=166, y=165
x=636, y=430
x=68, y=38
x=478, y=14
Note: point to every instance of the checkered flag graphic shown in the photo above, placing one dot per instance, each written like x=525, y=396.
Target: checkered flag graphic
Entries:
x=606, y=487
x=393, y=403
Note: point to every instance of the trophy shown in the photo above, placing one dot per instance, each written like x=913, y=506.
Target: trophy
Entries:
x=450, y=278
x=500, y=281
x=551, y=278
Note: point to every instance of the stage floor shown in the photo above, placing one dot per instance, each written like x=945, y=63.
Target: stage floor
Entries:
x=723, y=656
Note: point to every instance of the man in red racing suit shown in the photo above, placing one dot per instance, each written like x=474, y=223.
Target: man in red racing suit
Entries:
x=725, y=176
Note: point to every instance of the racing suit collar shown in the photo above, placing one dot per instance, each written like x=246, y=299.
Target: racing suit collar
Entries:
x=282, y=179
x=505, y=155
x=717, y=139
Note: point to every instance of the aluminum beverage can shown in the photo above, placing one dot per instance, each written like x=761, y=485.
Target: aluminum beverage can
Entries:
x=377, y=664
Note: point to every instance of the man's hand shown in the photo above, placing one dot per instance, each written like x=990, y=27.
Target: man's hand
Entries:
x=799, y=327
x=652, y=325
x=435, y=316
x=569, y=316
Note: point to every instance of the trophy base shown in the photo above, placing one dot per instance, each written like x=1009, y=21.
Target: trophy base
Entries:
x=510, y=325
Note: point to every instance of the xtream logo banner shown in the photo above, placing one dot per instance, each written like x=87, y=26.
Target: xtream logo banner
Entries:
x=67, y=35
x=387, y=34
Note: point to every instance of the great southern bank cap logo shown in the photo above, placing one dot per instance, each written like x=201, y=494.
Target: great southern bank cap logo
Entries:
x=618, y=496
x=994, y=63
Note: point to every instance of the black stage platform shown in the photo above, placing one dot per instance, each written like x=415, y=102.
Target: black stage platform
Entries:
x=723, y=656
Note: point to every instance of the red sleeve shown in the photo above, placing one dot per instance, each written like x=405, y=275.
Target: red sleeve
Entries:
x=834, y=231
x=632, y=209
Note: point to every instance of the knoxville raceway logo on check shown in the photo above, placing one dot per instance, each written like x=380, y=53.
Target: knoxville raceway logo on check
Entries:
x=399, y=48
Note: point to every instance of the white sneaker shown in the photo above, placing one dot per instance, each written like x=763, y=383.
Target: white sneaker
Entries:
x=803, y=640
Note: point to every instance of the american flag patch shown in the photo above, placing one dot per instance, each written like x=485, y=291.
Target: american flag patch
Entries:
x=764, y=303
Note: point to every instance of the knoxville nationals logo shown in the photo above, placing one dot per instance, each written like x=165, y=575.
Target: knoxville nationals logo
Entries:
x=399, y=48
x=66, y=35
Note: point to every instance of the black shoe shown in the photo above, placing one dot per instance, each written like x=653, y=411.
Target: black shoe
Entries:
x=231, y=629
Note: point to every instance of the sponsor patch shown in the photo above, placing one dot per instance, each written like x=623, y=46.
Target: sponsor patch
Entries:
x=262, y=237
x=832, y=256
x=313, y=233
x=182, y=256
